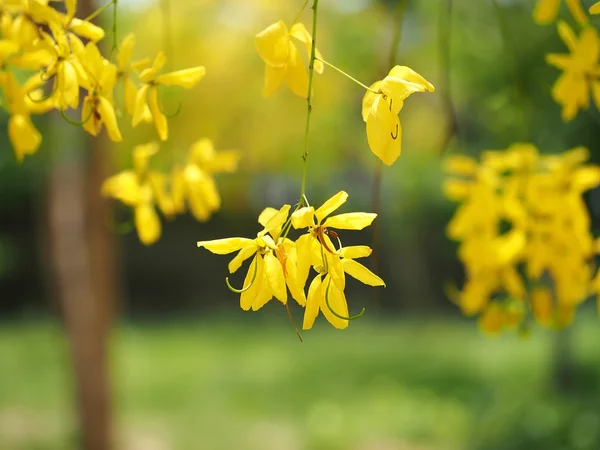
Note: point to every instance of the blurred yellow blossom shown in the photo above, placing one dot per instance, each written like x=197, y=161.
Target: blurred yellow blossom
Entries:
x=546, y=11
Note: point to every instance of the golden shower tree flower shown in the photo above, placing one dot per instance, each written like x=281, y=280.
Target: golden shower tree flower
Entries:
x=147, y=95
x=380, y=108
x=98, y=106
x=580, y=70
x=141, y=188
x=194, y=181
x=546, y=11
x=272, y=270
x=282, y=60
x=22, y=101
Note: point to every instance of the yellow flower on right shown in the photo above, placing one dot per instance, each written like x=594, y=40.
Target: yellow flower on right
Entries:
x=380, y=108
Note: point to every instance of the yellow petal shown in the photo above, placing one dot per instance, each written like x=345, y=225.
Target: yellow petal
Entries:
x=369, y=99
x=24, y=137
x=68, y=85
x=125, y=51
x=224, y=162
x=272, y=44
x=86, y=29
x=456, y=190
x=492, y=319
x=331, y=205
x=249, y=296
x=277, y=220
x=304, y=254
x=300, y=32
x=577, y=11
x=398, y=90
x=350, y=221
x=266, y=215
x=303, y=218
x=546, y=11
x=160, y=120
x=124, y=187
x=187, y=78
x=140, y=105
x=148, y=75
x=226, y=245
x=92, y=125
x=107, y=113
x=142, y=155
x=542, y=306
x=595, y=8
x=313, y=302
x=264, y=294
x=461, y=165
x=274, y=273
x=585, y=178
x=406, y=73
x=274, y=76
x=336, y=269
x=243, y=255
x=361, y=273
x=147, y=223
x=567, y=34
x=384, y=132
x=355, y=251
x=338, y=303
x=296, y=289
x=296, y=75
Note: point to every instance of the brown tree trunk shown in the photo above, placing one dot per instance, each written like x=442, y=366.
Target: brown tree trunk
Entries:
x=81, y=252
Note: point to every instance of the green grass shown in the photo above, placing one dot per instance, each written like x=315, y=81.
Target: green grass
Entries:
x=378, y=385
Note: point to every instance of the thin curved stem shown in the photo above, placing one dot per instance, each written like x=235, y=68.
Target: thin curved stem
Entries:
x=99, y=11
x=170, y=115
x=76, y=123
x=287, y=307
x=244, y=289
x=300, y=12
x=350, y=77
x=311, y=72
x=339, y=316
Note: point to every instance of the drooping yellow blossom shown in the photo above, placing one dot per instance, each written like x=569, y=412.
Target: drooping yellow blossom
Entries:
x=194, y=182
x=22, y=101
x=272, y=270
x=282, y=59
x=380, y=108
x=141, y=189
x=316, y=249
x=147, y=96
x=580, y=70
x=523, y=222
x=98, y=109
x=546, y=11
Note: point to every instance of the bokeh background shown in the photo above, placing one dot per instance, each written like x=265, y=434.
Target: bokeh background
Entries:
x=185, y=367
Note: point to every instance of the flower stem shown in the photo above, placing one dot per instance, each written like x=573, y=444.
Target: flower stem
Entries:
x=114, y=26
x=311, y=72
x=98, y=11
x=364, y=86
x=300, y=12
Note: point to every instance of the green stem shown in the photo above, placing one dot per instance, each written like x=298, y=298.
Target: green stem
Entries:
x=245, y=288
x=311, y=72
x=114, y=26
x=364, y=86
x=300, y=12
x=332, y=311
x=98, y=11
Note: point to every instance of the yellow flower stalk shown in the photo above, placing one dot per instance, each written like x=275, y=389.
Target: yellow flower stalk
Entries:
x=141, y=188
x=272, y=270
x=282, y=60
x=380, y=108
x=580, y=70
x=147, y=95
x=546, y=11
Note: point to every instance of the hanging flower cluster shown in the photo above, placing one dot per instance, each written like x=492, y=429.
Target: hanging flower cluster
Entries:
x=280, y=264
x=524, y=234
x=60, y=55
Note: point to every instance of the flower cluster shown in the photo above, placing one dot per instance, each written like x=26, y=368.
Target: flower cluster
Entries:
x=190, y=184
x=524, y=234
x=49, y=46
x=280, y=264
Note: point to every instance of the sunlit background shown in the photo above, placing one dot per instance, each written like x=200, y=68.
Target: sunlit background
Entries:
x=188, y=369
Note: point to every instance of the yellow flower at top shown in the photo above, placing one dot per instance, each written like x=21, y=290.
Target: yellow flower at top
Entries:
x=380, y=108
x=282, y=60
x=580, y=68
x=546, y=11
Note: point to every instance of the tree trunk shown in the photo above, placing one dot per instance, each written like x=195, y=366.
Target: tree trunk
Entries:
x=81, y=252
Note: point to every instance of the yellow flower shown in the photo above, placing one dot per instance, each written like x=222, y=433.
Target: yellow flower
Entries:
x=581, y=71
x=195, y=182
x=380, y=110
x=141, y=188
x=147, y=96
x=98, y=109
x=22, y=101
x=322, y=290
x=125, y=69
x=282, y=61
x=272, y=270
x=547, y=10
